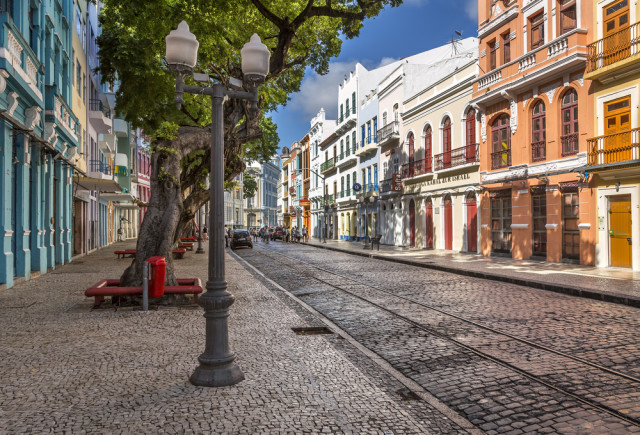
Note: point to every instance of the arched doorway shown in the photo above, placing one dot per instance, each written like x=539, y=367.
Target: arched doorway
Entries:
x=472, y=223
x=448, y=223
x=412, y=224
x=429, y=223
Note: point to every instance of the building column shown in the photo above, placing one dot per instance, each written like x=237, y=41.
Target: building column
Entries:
x=38, y=249
x=68, y=212
x=6, y=204
x=50, y=221
x=59, y=218
x=23, y=206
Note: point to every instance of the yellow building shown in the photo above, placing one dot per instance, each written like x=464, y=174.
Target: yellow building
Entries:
x=613, y=64
x=79, y=108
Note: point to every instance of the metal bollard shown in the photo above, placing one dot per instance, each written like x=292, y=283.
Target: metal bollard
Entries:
x=145, y=286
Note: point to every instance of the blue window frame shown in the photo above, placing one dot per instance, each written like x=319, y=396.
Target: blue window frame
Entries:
x=375, y=129
x=363, y=134
x=369, y=177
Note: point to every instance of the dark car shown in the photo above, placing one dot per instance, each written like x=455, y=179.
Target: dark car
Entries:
x=278, y=234
x=241, y=238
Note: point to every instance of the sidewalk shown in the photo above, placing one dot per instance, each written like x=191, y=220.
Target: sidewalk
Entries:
x=66, y=368
x=621, y=286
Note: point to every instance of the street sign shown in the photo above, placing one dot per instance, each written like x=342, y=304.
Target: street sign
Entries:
x=357, y=187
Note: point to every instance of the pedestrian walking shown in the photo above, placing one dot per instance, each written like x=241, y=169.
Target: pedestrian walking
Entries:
x=304, y=234
x=226, y=237
x=204, y=233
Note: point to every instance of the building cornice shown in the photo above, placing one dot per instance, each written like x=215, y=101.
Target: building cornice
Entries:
x=499, y=21
x=467, y=82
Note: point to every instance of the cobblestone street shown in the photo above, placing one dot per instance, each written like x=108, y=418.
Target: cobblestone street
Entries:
x=510, y=359
x=66, y=368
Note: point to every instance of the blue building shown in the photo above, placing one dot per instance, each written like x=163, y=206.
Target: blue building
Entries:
x=38, y=136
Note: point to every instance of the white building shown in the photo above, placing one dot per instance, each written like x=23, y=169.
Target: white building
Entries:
x=262, y=208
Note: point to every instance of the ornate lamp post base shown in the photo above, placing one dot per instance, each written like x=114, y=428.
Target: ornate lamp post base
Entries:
x=216, y=375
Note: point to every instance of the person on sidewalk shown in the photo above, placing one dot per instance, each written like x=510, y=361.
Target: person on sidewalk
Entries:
x=305, y=234
x=204, y=233
x=226, y=237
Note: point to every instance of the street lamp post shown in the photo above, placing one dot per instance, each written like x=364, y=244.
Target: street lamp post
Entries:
x=217, y=363
x=200, y=250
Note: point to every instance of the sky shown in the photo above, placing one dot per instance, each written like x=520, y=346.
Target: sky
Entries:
x=411, y=28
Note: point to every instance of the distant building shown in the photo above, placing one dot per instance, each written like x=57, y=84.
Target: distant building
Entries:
x=262, y=208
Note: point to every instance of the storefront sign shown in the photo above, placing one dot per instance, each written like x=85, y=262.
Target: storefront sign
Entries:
x=397, y=183
x=445, y=180
x=305, y=202
x=357, y=187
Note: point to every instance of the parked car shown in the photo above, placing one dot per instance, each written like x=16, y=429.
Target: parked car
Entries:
x=278, y=234
x=241, y=238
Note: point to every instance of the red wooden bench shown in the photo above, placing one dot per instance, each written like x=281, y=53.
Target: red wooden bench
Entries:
x=178, y=253
x=131, y=253
x=188, y=246
x=188, y=239
x=110, y=287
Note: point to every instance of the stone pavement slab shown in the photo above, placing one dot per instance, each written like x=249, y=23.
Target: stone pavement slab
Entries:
x=66, y=368
x=614, y=285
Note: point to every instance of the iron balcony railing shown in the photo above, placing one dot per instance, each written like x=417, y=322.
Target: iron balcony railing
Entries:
x=97, y=106
x=613, y=48
x=569, y=144
x=100, y=166
x=501, y=159
x=328, y=199
x=538, y=151
x=387, y=132
x=416, y=167
x=372, y=187
x=329, y=164
x=369, y=139
x=614, y=148
x=456, y=157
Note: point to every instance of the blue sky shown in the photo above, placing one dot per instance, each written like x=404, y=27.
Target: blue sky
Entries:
x=413, y=27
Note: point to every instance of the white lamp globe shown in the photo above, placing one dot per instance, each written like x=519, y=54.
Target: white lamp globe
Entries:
x=255, y=60
x=182, y=47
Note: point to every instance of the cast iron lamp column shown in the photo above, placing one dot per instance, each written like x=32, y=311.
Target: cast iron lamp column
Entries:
x=217, y=366
x=200, y=250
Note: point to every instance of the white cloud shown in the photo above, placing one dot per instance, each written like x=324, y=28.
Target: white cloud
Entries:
x=319, y=91
x=471, y=9
x=386, y=61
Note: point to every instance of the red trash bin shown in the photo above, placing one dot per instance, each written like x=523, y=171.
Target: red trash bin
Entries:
x=158, y=269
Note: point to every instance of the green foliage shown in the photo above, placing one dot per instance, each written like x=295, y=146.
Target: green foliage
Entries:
x=250, y=185
x=265, y=148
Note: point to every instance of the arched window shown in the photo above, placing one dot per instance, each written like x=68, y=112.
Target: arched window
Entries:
x=446, y=142
x=500, y=143
x=428, y=141
x=396, y=114
x=348, y=184
x=570, y=130
x=538, y=132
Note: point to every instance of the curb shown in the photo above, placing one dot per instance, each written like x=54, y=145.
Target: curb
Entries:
x=556, y=288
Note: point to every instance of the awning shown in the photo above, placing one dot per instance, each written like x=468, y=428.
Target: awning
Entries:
x=99, y=184
x=118, y=196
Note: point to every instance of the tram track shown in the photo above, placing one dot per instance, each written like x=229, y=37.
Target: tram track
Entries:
x=543, y=350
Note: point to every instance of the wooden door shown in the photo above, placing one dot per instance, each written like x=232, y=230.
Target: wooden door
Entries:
x=472, y=224
x=617, y=124
x=620, y=231
x=412, y=224
x=446, y=143
x=429, y=223
x=617, y=43
x=448, y=223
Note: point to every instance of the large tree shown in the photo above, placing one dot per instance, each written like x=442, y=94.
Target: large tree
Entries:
x=301, y=34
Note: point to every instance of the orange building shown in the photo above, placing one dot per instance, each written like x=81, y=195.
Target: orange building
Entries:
x=535, y=110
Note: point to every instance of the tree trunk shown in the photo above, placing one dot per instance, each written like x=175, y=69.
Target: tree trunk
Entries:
x=158, y=230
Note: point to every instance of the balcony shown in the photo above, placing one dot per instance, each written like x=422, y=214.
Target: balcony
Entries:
x=99, y=116
x=346, y=123
x=328, y=165
x=614, y=149
x=120, y=127
x=107, y=143
x=100, y=169
x=390, y=133
x=538, y=151
x=386, y=186
x=501, y=159
x=369, y=145
x=328, y=199
x=416, y=168
x=369, y=190
x=569, y=144
x=466, y=155
x=346, y=159
x=618, y=53
x=343, y=195
x=548, y=62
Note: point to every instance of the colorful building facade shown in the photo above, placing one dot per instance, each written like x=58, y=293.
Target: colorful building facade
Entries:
x=533, y=100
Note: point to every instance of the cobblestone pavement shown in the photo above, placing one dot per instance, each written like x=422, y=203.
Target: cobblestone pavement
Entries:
x=574, y=369
x=66, y=368
x=609, y=284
